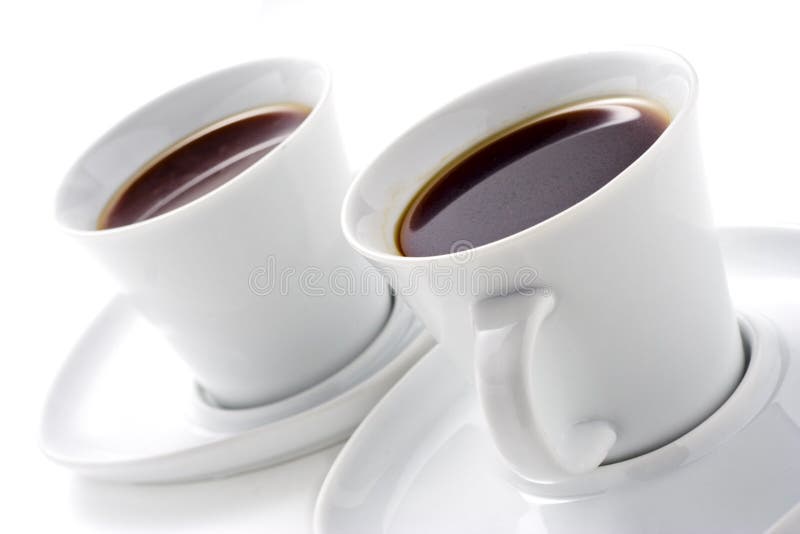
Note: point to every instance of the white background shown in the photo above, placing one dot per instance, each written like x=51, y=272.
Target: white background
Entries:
x=71, y=69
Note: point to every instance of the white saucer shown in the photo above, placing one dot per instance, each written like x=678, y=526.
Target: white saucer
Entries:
x=124, y=406
x=422, y=460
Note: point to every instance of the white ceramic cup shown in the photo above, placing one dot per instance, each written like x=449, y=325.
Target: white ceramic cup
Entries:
x=208, y=272
x=601, y=333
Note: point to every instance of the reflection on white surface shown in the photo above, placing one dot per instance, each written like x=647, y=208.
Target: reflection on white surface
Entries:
x=124, y=408
x=454, y=470
x=87, y=64
x=131, y=371
x=745, y=486
x=282, y=497
x=444, y=477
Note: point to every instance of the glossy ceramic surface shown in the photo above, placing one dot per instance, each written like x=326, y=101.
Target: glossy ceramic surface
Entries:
x=124, y=408
x=237, y=278
x=570, y=324
x=423, y=461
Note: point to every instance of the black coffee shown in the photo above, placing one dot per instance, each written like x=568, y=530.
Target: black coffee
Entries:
x=528, y=173
x=200, y=164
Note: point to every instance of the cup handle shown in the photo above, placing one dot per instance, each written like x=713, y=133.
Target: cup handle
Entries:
x=506, y=328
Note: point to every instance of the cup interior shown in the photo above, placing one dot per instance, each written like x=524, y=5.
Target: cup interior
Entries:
x=144, y=134
x=380, y=194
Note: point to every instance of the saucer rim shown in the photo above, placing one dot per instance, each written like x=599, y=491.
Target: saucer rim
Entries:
x=413, y=347
x=744, y=233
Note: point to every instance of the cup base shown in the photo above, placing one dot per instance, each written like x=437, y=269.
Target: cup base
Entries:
x=763, y=369
x=400, y=328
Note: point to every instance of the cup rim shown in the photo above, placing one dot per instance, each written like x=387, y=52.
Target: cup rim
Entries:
x=270, y=62
x=382, y=256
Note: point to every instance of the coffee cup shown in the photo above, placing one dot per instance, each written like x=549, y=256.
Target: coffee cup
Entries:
x=609, y=330
x=222, y=276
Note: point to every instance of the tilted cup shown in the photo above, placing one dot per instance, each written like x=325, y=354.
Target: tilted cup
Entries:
x=233, y=277
x=600, y=333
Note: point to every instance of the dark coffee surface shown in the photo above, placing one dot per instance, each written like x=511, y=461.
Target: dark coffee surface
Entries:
x=528, y=173
x=200, y=164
